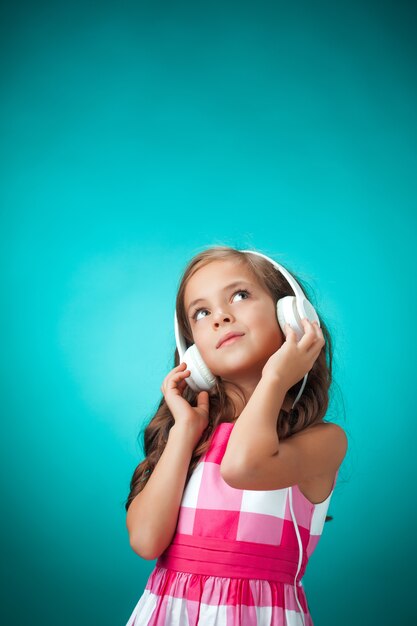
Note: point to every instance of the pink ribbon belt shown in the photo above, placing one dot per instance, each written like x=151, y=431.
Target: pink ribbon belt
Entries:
x=232, y=559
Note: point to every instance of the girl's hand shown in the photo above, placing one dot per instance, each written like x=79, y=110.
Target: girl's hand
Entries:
x=193, y=419
x=294, y=359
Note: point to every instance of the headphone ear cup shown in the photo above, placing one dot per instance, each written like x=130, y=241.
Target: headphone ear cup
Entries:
x=287, y=314
x=200, y=378
x=291, y=311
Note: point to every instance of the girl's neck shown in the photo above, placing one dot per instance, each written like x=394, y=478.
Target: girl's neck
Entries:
x=247, y=389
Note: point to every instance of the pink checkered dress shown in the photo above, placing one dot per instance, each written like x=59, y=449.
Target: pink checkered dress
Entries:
x=235, y=554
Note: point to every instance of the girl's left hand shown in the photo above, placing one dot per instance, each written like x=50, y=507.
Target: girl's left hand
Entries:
x=294, y=359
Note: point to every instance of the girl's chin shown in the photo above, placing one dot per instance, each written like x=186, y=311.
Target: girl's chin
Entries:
x=238, y=371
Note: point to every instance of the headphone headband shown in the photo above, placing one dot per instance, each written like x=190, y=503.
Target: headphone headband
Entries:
x=296, y=287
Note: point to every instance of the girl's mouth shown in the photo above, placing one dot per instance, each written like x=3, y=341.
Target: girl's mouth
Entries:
x=231, y=340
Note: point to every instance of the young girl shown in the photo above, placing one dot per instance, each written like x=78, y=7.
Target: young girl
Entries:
x=240, y=465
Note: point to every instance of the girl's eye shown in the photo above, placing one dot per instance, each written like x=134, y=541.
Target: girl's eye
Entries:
x=194, y=316
x=242, y=291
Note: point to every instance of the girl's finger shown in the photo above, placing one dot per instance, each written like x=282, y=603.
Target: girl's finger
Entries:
x=181, y=386
x=310, y=336
x=290, y=332
x=316, y=328
x=179, y=375
x=173, y=377
x=307, y=325
x=319, y=333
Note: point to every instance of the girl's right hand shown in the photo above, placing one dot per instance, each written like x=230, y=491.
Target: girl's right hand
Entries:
x=194, y=419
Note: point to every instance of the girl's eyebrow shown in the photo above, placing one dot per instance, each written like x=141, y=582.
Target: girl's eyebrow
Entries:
x=234, y=284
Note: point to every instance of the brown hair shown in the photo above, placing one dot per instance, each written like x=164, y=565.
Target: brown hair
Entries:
x=310, y=408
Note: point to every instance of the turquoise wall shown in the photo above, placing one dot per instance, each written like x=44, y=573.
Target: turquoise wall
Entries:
x=134, y=135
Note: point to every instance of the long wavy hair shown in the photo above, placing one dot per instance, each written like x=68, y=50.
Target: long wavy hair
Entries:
x=310, y=408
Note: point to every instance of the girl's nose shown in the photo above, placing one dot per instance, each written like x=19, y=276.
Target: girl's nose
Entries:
x=221, y=316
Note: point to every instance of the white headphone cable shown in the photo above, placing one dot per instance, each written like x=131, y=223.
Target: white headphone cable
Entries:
x=300, y=557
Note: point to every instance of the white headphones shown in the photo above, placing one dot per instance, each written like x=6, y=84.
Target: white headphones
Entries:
x=290, y=309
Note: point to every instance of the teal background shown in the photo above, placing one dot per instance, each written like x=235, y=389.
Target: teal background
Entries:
x=134, y=135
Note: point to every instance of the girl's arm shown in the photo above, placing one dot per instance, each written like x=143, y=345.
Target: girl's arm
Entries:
x=153, y=514
x=255, y=436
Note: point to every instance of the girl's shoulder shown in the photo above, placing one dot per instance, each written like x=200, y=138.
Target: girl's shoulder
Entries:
x=338, y=435
x=324, y=425
x=318, y=488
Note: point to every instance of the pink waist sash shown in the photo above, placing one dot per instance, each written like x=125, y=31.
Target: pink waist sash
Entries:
x=232, y=559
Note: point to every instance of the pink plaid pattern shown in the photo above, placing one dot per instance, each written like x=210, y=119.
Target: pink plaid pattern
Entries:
x=234, y=555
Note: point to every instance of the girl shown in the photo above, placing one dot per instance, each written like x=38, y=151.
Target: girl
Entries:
x=240, y=465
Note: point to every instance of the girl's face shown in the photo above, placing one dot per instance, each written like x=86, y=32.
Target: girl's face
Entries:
x=231, y=300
